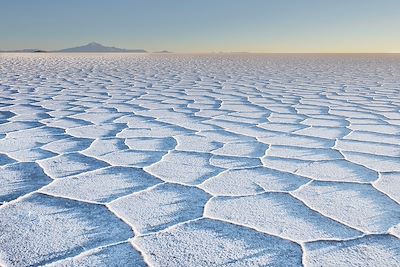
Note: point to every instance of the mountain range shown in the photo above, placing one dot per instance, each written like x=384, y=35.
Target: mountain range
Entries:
x=92, y=47
x=96, y=47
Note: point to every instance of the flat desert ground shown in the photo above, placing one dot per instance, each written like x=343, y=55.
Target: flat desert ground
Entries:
x=199, y=160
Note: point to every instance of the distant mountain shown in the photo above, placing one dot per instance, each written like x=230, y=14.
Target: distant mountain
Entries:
x=29, y=50
x=163, y=52
x=96, y=47
x=92, y=47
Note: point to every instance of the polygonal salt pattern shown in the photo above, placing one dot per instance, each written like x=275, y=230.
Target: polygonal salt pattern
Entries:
x=232, y=162
x=115, y=152
x=372, y=148
x=277, y=214
x=360, y=206
x=370, y=250
x=236, y=160
x=324, y=170
x=70, y=164
x=66, y=145
x=213, y=243
x=40, y=229
x=239, y=182
x=96, y=131
x=102, y=185
x=19, y=179
x=184, y=167
x=31, y=155
x=374, y=162
x=36, y=131
x=196, y=143
x=298, y=140
x=152, y=144
x=302, y=153
x=324, y=132
x=9, y=127
x=122, y=254
x=393, y=139
x=160, y=207
x=246, y=149
x=389, y=183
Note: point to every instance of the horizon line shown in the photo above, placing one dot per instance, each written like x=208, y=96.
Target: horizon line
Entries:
x=143, y=50
x=170, y=52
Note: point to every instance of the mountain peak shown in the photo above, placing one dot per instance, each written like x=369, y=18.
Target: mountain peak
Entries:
x=94, y=44
x=99, y=48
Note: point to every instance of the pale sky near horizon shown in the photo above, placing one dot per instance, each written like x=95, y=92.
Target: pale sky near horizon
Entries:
x=204, y=25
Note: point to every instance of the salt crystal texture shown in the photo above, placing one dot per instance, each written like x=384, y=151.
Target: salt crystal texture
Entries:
x=206, y=160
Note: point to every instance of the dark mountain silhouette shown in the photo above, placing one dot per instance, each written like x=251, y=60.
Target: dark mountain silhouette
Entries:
x=29, y=50
x=163, y=52
x=96, y=47
x=92, y=47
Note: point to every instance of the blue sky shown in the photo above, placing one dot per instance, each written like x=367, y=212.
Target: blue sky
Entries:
x=204, y=25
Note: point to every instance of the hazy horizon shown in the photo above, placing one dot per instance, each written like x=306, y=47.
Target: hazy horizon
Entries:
x=202, y=27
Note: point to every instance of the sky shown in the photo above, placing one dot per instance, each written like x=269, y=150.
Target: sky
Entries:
x=269, y=26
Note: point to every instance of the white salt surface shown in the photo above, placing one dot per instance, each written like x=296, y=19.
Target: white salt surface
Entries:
x=211, y=160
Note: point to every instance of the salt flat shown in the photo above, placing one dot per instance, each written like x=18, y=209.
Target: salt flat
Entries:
x=199, y=160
